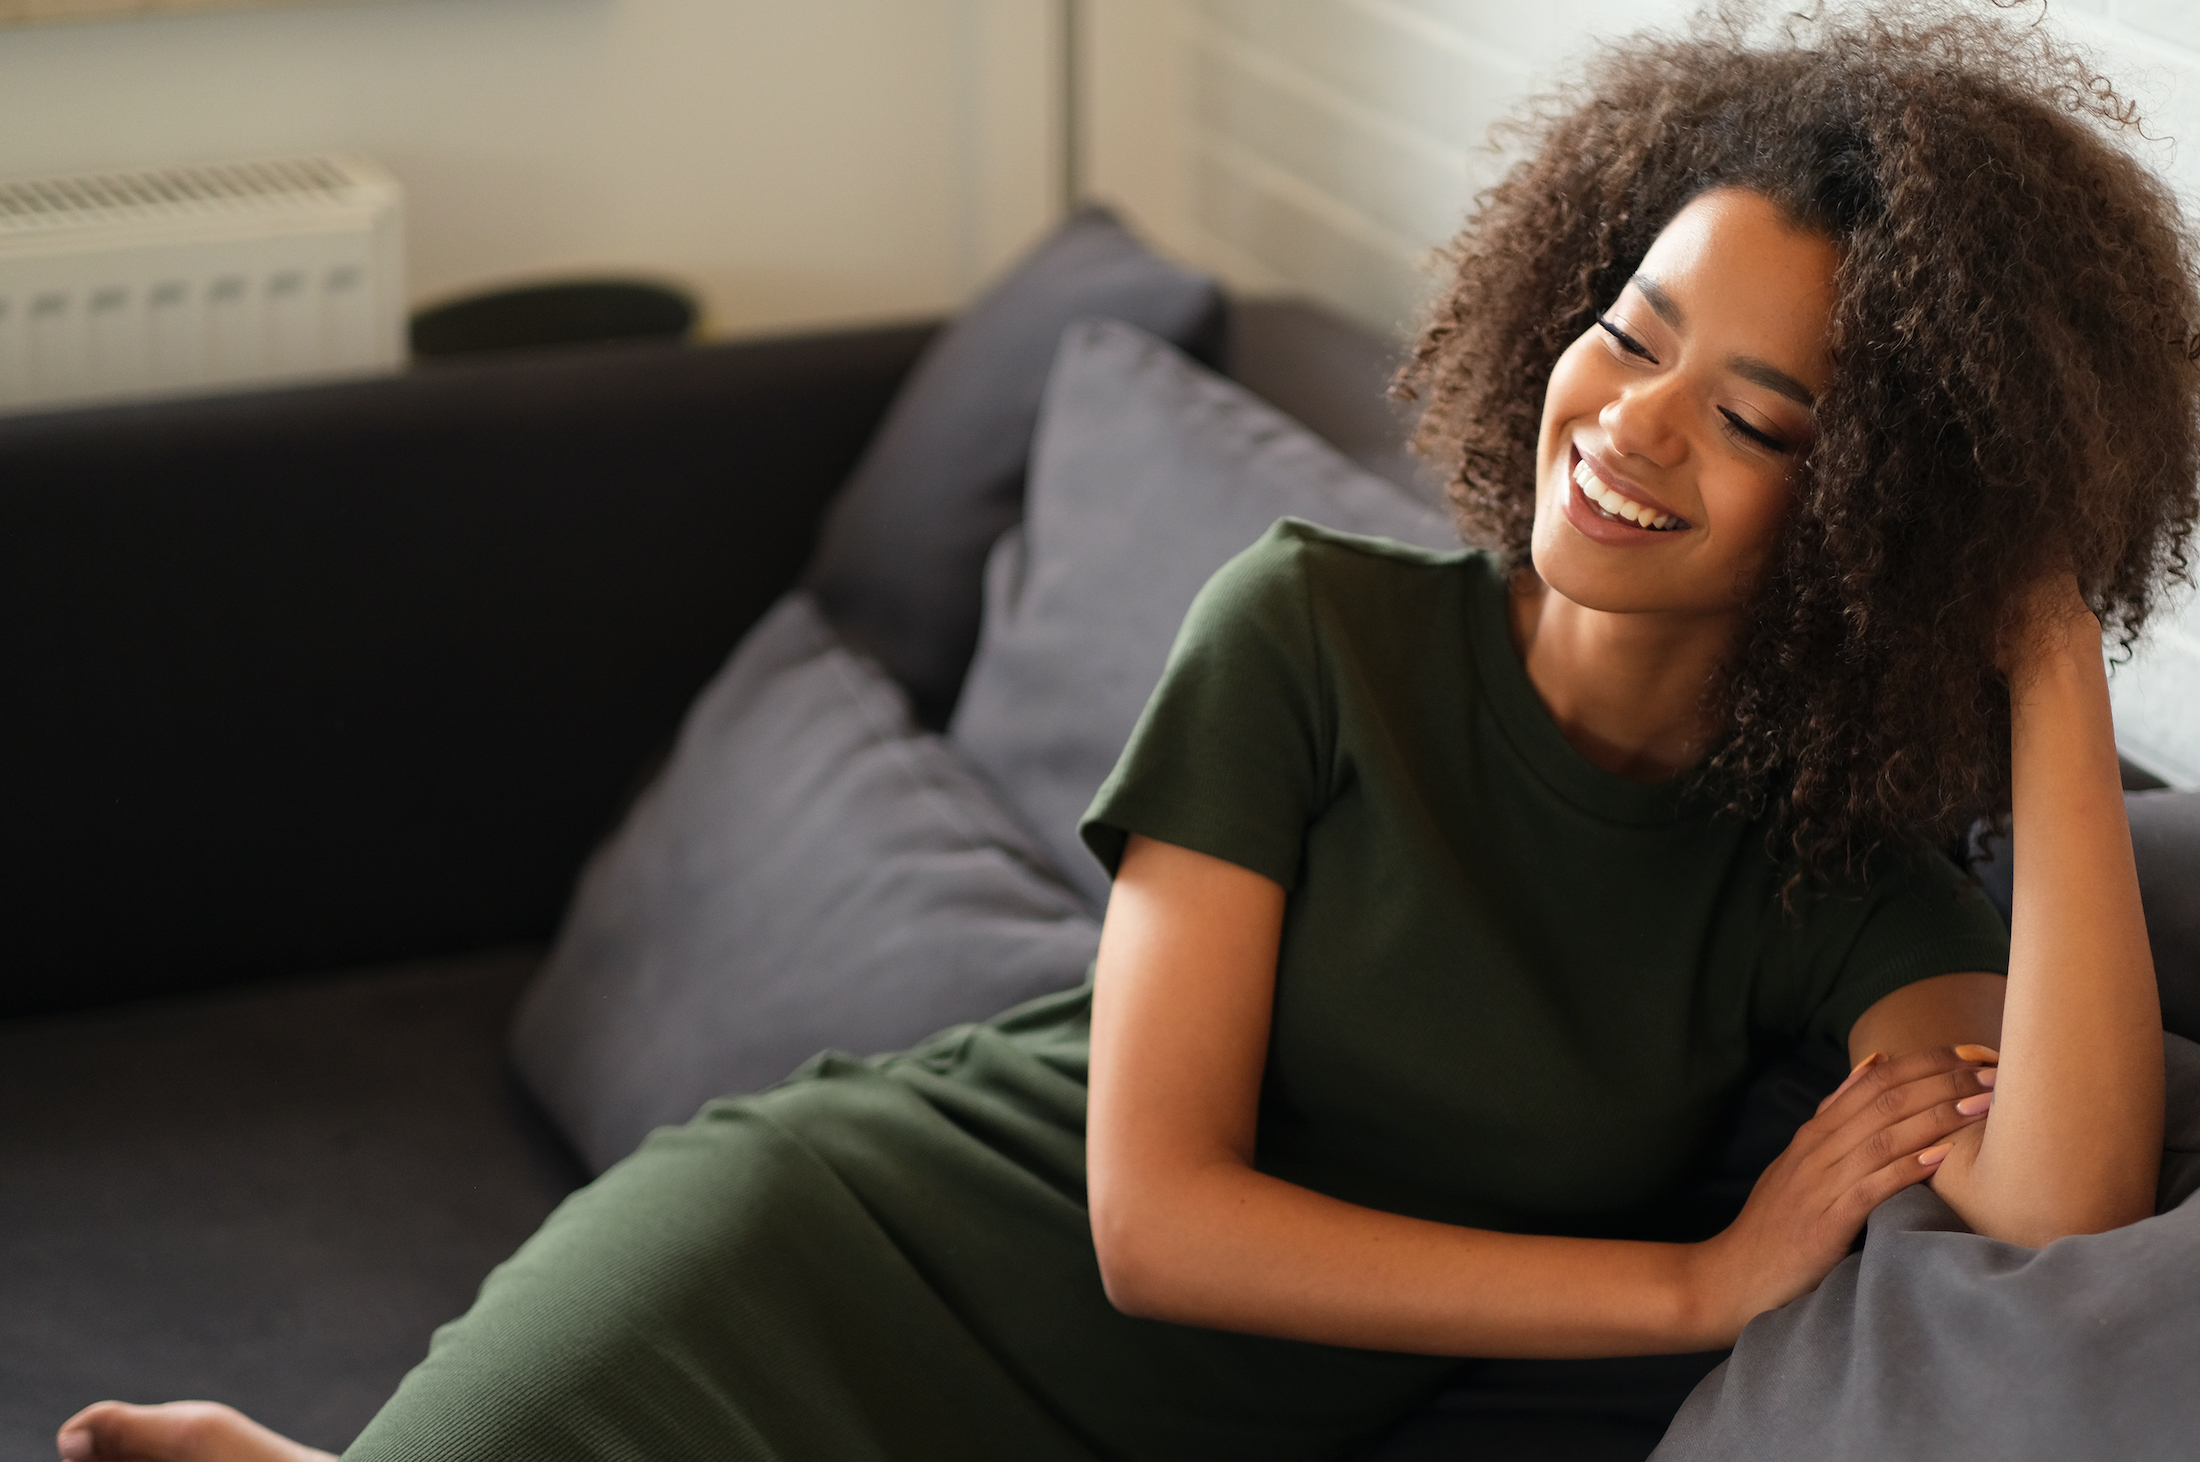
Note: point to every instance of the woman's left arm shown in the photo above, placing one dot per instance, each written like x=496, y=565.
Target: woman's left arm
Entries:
x=2074, y=1141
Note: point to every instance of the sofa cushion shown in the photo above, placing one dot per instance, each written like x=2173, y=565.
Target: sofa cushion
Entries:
x=270, y=1196
x=903, y=551
x=1148, y=474
x=1936, y=1342
x=808, y=871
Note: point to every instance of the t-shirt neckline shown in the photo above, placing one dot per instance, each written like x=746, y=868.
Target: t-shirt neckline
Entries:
x=1527, y=723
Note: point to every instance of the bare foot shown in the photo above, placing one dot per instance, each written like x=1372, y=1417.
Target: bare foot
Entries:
x=180, y=1431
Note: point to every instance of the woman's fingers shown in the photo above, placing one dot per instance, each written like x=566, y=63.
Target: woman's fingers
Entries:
x=1918, y=1113
x=1888, y=1134
x=1876, y=1148
x=1892, y=1088
x=1882, y=1183
x=1850, y=1080
x=2054, y=612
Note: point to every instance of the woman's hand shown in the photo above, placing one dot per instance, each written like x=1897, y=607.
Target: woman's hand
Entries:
x=2053, y=623
x=1883, y=1129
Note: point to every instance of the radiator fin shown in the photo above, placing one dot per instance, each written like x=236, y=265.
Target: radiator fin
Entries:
x=163, y=281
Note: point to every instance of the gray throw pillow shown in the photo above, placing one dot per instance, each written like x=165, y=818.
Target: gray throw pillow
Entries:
x=809, y=871
x=1148, y=474
x=1935, y=1342
x=902, y=555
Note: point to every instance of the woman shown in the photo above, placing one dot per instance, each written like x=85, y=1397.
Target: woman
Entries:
x=1822, y=402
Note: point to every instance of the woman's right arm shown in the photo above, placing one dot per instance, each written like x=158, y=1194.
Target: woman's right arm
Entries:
x=2074, y=1144
x=1188, y=1230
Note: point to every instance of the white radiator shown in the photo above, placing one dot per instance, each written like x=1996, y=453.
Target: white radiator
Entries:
x=116, y=285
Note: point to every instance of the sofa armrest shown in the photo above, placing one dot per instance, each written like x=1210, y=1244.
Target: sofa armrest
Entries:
x=311, y=678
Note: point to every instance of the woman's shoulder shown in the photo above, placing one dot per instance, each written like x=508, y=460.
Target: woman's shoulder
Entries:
x=1333, y=551
x=1298, y=568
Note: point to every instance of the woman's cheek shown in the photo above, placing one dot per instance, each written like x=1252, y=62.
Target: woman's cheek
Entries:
x=1755, y=512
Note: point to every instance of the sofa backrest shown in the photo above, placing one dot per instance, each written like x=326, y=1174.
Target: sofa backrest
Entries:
x=314, y=678
x=2165, y=841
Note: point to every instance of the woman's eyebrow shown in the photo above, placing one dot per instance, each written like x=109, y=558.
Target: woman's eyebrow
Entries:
x=1748, y=367
x=1772, y=378
x=1659, y=300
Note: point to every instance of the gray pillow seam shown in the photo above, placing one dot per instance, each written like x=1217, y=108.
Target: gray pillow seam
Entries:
x=934, y=795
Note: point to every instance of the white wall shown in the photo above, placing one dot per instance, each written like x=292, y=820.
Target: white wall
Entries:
x=1323, y=147
x=797, y=161
x=1327, y=145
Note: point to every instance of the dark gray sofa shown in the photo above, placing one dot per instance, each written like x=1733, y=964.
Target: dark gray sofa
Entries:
x=316, y=701
x=343, y=679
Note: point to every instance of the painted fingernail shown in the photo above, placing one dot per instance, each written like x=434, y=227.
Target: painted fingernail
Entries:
x=1977, y=1053
x=1988, y=1075
x=1972, y=1106
x=1935, y=1153
x=1858, y=1070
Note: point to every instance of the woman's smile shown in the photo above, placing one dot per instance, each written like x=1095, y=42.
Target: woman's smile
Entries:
x=1603, y=499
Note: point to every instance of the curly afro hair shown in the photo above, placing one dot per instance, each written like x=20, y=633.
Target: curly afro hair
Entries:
x=2013, y=339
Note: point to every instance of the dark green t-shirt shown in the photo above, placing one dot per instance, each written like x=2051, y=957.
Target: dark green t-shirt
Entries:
x=1515, y=991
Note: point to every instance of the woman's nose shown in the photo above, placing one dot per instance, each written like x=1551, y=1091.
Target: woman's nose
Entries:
x=1645, y=421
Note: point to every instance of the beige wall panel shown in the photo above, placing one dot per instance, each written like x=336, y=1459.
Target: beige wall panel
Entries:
x=832, y=160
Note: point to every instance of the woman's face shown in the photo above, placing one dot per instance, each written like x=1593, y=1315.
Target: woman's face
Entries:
x=1671, y=427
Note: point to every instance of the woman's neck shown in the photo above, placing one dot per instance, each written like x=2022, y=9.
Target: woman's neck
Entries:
x=1626, y=690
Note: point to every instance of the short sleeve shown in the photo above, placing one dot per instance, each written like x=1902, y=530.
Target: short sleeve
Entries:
x=1919, y=917
x=1227, y=757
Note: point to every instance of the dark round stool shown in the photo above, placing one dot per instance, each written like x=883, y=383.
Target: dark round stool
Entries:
x=580, y=312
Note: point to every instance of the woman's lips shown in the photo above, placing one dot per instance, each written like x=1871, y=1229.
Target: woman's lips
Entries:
x=1603, y=524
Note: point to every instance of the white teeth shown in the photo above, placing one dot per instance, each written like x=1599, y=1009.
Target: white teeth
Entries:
x=1593, y=488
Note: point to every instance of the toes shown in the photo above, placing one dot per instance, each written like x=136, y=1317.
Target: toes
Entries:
x=98, y=1433
x=76, y=1444
x=180, y=1431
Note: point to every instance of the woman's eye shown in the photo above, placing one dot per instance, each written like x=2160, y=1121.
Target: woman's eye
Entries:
x=1626, y=341
x=1749, y=433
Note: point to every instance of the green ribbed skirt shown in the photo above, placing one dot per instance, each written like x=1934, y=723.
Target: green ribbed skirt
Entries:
x=878, y=1259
